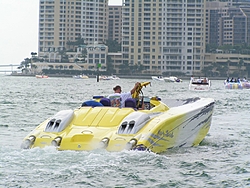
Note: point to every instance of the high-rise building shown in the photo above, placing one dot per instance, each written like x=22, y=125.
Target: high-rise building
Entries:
x=65, y=21
x=183, y=35
x=227, y=23
x=142, y=34
x=115, y=23
x=164, y=35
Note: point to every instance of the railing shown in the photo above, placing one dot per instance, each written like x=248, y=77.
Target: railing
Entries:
x=7, y=70
x=11, y=66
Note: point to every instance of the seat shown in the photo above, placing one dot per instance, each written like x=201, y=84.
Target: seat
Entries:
x=130, y=102
x=105, y=102
x=91, y=103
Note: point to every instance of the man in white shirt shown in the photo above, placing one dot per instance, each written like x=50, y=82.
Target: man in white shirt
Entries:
x=118, y=99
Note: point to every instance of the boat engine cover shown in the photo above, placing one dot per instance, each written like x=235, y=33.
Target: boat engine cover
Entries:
x=59, y=121
x=133, y=123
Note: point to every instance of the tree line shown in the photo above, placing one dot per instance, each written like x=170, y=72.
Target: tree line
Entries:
x=214, y=69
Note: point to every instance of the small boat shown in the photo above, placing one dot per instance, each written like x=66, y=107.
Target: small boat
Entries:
x=157, y=78
x=233, y=85
x=113, y=77
x=42, y=76
x=172, y=79
x=81, y=77
x=245, y=84
x=97, y=125
x=199, y=84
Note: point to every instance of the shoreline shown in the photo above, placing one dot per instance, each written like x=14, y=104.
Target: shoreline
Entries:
x=94, y=76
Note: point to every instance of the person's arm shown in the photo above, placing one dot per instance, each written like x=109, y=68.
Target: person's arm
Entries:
x=134, y=88
x=142, y=104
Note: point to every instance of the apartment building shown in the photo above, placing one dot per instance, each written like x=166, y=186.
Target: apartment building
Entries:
x=227, y=23
x=64, y=21
x=164, y=35
x=141, y=42
x=183, y=36
x=115, y=23
x=234, y=63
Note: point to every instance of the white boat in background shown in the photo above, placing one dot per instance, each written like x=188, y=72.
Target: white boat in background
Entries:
x=200, y=84
x=113, y=77
x=81, y=77
x=172, y=79
x=42, y=76
x=157, y=78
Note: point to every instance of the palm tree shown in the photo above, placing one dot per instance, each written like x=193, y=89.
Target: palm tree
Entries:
x=228, y=64
x=33, y=54
x=240, y=65
x=79, y=41
x=124, y=68
x=25, y=65
x=110, y=66
x=113, y=45
x=64, y=56
x=208, y=70
x=84, y=54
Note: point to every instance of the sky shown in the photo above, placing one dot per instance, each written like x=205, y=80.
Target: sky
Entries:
x=19, y=29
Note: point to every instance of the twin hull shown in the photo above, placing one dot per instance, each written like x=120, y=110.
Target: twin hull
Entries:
x=116, y=129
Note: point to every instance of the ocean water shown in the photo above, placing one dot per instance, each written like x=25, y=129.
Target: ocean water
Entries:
x=221, y=160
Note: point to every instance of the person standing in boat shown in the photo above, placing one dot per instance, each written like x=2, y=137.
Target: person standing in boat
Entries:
x=118, y=99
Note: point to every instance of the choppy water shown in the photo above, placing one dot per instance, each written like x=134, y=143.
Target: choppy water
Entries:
x=222, y=160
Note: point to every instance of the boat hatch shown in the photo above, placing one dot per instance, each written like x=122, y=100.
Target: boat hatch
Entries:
x=60, y=121
x=133, y=123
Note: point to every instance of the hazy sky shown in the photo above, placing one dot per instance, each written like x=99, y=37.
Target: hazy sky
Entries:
x=19, y=29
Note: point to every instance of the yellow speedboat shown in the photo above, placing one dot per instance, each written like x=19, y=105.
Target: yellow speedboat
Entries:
x=158, y=127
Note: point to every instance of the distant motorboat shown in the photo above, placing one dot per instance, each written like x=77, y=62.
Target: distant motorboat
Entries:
x=42, y=76
x=172, y=79
x=157, y=78
x=200, y=84
x=245, y=84
x=113, y=77
x=81, y=77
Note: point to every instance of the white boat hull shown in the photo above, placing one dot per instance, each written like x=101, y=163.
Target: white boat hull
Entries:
x=157, y=78
x=172, y=79
x=200, y=86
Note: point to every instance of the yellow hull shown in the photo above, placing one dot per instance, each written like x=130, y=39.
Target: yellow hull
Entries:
x=115, y=129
